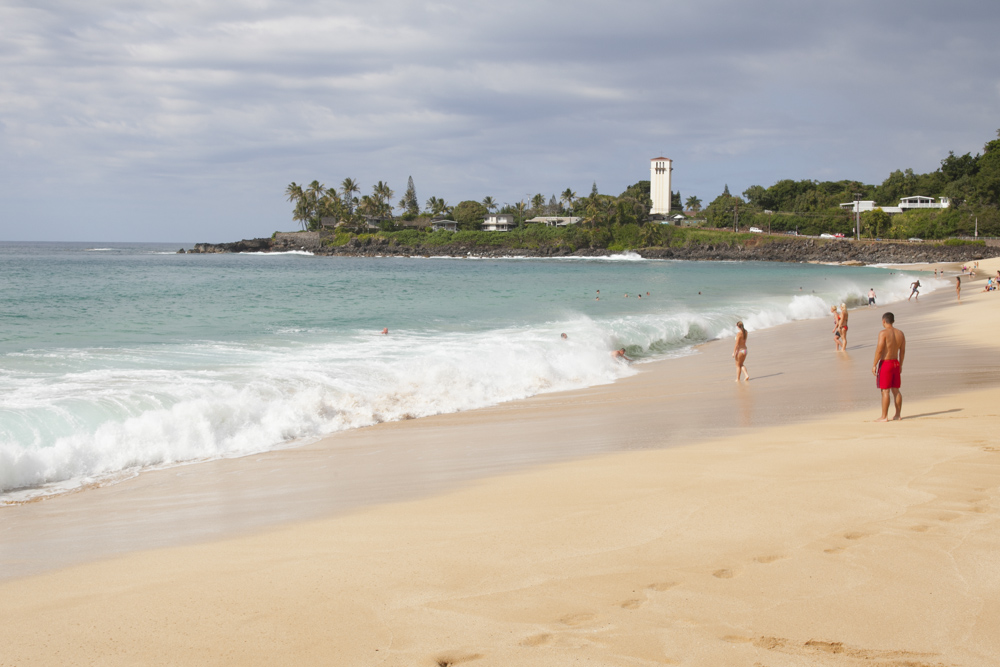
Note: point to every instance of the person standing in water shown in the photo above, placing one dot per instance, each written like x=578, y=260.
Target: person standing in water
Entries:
x=843, y=325
x=871, y=297
x=836, y=326
x=958, y=287
x=740, y=352
x=888, y=367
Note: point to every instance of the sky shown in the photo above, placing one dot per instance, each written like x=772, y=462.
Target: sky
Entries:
x=184, y=121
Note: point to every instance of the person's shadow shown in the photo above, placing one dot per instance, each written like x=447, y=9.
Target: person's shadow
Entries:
x=931, y=414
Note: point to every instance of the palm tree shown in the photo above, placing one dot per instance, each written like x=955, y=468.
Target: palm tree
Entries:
x=568, y=197
x=520, y=207
x=293, y=192
x=349, y=187
x=490, y=204
x=537, y=202
x=693, y=204
x=437, y=206
x=383, y=194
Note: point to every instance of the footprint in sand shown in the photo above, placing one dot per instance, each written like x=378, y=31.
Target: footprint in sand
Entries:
x=856, y=535
x=536, y=640
x=456, y=659
x=661, y=586
x=833, y=550
x=920, y=529
x=768, y=559
x=577, y=619
x=723, y=574
x=634, y=603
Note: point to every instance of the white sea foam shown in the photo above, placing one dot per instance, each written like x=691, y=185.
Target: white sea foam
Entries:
x=110, y=412
x=282, y=252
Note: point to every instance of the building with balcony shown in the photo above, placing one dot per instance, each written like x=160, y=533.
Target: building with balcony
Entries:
x=499, y=222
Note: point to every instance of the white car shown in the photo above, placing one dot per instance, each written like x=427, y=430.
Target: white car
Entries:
x=756, y=230
x=827, y=236
x=916, y=240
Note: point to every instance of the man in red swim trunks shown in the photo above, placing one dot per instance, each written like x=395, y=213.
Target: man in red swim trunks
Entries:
x=889, y=353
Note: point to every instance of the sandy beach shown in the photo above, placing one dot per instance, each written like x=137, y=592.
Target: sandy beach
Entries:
x=675, y=517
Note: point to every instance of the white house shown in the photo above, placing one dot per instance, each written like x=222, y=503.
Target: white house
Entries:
x=659, y=185
x=555, y=221
x=859, y=206
x=499, y=222
x=905, y=204
x=447, y=225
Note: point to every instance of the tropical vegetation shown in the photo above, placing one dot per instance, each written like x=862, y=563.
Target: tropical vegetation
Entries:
x=807, y=206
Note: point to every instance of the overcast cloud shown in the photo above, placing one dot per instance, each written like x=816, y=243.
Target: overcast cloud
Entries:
x=184, y=121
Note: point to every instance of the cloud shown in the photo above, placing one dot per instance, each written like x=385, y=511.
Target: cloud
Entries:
x=198, y=114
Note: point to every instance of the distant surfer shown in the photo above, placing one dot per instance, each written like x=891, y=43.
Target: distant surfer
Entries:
x=620, y=354
x=888, y=367
x=740, y=352
x=915, y=286
x=385, y=331
x=563, y=336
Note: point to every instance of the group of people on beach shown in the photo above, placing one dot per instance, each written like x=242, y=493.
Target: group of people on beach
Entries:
x=840, y=322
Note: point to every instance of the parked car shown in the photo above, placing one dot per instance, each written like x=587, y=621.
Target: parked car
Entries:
x=916, y=240
x=827, y=236
x=756, y=230
x=838, y=236
x=792, y=232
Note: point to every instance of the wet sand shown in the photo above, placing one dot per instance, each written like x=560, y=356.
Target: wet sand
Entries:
x=674, y=517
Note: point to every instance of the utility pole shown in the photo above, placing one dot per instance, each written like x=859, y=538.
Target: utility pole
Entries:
x=857, y=215
x=736, y=218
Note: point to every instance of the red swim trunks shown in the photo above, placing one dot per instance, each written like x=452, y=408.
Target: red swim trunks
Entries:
x=888, y=374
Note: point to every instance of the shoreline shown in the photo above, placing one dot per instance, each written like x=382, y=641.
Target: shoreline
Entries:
x=781, y=538
x=393, y=461
x=69, y=487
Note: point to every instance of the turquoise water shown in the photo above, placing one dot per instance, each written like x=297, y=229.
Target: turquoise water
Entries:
x=116, y=357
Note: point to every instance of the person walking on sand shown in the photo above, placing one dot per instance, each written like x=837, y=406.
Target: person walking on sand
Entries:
x=843, y=325
x=958, y=288
x=888, y=367
x=740, y=352
x=915, y=286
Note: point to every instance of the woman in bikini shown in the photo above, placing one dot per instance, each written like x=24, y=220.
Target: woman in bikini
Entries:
x=836, y=326
x=740, y=352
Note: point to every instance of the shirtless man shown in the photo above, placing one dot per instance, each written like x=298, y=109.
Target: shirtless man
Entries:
x=889, y=353
x=620, y=354
x=843, y=325
x=915, y=286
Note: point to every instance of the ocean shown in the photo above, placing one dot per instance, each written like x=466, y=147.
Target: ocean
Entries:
x=116, y=358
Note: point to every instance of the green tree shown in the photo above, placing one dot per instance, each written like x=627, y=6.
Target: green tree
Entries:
x=490, y=204
x=348, y=188
x=693, y=204
x=537, y=202
x=382, y=195
x=987, y=180
x=568, y=197
x=469, y=215
x=409, y=203
x=437, y=207
x=875, y=224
